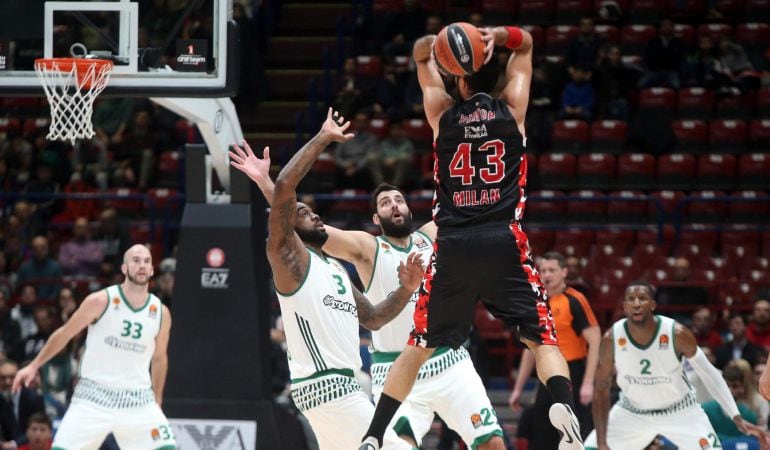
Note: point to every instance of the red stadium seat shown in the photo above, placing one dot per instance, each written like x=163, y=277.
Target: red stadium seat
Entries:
x=753, y=34
x=716, y=171
x=763, y=102
x=540, y=239
x=497, y=340
x=686, y=33
x=433, y=6
x=608, y=135
x=766, y=244
x=752, y=171
x=707, y=206
x=368, y=66
x=387, y=6
x=610, y=33
x=692, y=135
x=620, y=239
x=648, y=10
x=629, y=207
x=418, y=130
x=350, y=201
x=596, y=170
x=636, y=171
x=538, y=35
x=10, y=125
x=570, y=10
x=740, y=236
x=736, y=107
x=676, y=171
x=695, y=103
x=654, y=235
x=665, y=202
x=758, y=9
x=34, y=125
x=499, y=6
x=759, y=134
x=164, y=199
x=750, y=208
x=558, y=38
x=379, y=127
x=569, y=135
x=545, y=206
x=728, y=136
x=634, y=38
x=715, y=30
x=736, y=294
x=574, y=241
x=127, y=200
x=681, y=8
x=661, y=99
x=730, y=8
x=536, y=11
x=169, y=164
x=585, y=209
x=697, y=240
x=557, y=169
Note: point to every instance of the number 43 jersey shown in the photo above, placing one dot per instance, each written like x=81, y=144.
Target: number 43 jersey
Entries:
x=480, y=168
x=121, y=342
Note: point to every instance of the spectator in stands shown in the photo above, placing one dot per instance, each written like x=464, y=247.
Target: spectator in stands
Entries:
x=353, y=92
x=702, y=327
x=544, y=101
x=614, y=82
x=39, y=433
x=702, y=66
x=24, y=312
x=390, y=91
x=135, y=157
x=44, y=184
x=584, y=49
x=663, y=58
x=738, y=376
x=737, y=67
x=111, y=118
x=579, y=96
x=81, y=256
x=164, y=283
x=41, y=269
x=114, y=240
x=758, y=331
x=395, y=160
x=738, y=347
x=66, y=303
x=352, y=157
x=10, y=332
x=682, y=292
x=16, y=408
x=45, y=322
x=407, y=25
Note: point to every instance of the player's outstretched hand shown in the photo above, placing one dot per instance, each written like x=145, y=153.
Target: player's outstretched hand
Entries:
x=24, y=378
x=489, y=38
x=753, y=430
x=247, y=162
x=513, y=400
x=334, y=126
x=410, y=274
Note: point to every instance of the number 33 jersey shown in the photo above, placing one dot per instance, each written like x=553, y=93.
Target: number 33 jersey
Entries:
x=121, y=342
x=480, y=168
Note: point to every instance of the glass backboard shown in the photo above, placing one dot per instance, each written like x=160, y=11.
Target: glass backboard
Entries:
x=160, y=48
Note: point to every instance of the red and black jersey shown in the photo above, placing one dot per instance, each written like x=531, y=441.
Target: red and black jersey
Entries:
x=480, y=168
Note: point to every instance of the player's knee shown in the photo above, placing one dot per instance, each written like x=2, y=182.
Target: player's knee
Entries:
x=495, y=443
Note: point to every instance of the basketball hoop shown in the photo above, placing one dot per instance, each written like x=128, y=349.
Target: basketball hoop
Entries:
x=72, y=85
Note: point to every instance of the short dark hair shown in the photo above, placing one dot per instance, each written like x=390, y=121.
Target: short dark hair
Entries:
x=644, y=284
x=380, y=189
x=736, y=314
x=556, y=256
x=41, y=419
x=484, y=80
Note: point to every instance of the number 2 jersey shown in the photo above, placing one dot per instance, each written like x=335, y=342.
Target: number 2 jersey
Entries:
x=480, y=168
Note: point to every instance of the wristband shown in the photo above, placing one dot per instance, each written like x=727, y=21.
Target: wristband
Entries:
x=515, y=37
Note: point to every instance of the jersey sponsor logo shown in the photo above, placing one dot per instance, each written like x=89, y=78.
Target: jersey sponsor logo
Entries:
x=215, y=257
x=704, y=443
x=215, y=276
x=135, y=347
x=479, y=115
x=647, y=381
x=476, y=132
x=663, y=342
x=153, y=312
x=420, y=243
x=115, y=302
x=155, y=433
x=476, y=420
x=340, y=305
x=476, y=198
x=622, y=342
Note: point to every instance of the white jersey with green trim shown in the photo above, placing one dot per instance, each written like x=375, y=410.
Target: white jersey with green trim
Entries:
x=650, y=375
x=392, y=337
x=120, y=344
x=320, y=319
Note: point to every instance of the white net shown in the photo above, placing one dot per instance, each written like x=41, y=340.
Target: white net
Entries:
x=71, y=86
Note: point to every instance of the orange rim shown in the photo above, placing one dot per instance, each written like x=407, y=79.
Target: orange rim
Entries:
x=82, y=65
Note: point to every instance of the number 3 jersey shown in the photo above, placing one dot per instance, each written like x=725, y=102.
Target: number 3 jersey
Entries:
x=121, y=342
x=650, y=375
x=480, y=169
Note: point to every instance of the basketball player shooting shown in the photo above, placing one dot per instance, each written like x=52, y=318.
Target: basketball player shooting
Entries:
x=481, y=252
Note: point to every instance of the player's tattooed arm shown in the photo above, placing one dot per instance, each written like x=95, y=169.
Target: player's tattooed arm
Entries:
x=602, y=384
x=372, y=316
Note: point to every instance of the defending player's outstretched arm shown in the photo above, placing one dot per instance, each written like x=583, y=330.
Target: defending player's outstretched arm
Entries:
x=159, y=364
x=285, y=251
x=686, y=345
x=89, y=311
x=605, y=371
x=375, y=316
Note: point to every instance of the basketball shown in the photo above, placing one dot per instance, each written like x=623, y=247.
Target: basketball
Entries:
x=458, y=49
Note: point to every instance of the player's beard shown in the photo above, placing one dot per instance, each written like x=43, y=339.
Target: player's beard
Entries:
x=389, y=228
x=313, y=237
x=133, y=279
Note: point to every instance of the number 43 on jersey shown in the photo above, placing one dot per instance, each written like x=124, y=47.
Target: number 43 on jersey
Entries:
x=462, y=167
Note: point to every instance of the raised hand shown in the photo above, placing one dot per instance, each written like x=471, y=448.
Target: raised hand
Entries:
x=410, y=274
x=247, y=162
x=487, y=35
x=24, y=378
x=334, y=126
x=753, y=430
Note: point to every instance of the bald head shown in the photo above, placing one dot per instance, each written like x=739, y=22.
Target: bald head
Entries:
x=137, y=265
x=139, y=250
